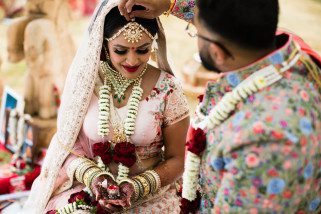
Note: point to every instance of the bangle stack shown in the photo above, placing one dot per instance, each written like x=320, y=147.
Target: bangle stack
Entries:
x=87, y=171
x=89, y=176
x=144, y=184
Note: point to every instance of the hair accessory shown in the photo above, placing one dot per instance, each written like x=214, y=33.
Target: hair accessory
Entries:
x=133, y=32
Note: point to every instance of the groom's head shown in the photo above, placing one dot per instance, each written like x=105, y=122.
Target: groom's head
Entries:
x=225, y=28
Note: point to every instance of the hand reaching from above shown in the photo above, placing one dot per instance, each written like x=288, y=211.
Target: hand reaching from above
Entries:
x=154, y=8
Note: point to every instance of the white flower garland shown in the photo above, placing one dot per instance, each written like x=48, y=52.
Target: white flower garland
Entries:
x=67, y=209
x=130, y=121
x=134, y=100
x=72, y=207
x=257, y=81
x=104, y=110
x=122, y=173
x=190, y=176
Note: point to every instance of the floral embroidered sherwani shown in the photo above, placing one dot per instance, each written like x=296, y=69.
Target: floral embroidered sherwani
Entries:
x=266, y=157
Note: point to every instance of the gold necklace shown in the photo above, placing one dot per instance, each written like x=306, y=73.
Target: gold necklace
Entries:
x=118, y=81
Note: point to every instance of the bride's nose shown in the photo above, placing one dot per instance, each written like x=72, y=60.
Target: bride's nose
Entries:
x=132, y=58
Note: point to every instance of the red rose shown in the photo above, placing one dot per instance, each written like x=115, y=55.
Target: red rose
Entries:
x=128, y=160
x=188, y=207
x=196, y=140
x=124, y=148
x=106, y=158
x=200, y=98
x=52, y=212
x=100, y=149
x=80, y=196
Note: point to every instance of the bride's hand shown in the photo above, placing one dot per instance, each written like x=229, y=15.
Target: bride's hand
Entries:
x=96, y=185
x=127, y=191
x=116, y=205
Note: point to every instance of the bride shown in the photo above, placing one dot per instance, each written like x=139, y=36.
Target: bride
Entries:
x=122, y=124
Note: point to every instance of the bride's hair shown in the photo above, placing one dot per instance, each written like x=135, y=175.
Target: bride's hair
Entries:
x=114, y=22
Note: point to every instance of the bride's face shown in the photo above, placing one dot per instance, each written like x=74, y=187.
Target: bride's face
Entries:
x=127, y=58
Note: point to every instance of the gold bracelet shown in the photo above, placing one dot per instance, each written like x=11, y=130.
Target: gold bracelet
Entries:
x=75, y=164
x=80, y=171
x=106, y=173
x=145, y=184
x=171, y=6
x=136, y=189
x=152, y=181
x=81, y=165
x=89, y=173
x=91, y=178
x=157, y=179
x=140, y=188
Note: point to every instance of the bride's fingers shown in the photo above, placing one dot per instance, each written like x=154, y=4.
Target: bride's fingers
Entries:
x=96, y=193
x=108, y=207
x=119, y=202
x=113, y=208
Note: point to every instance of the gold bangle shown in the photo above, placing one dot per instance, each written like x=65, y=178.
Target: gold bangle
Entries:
x=157, y=179
x=89, y=173
x=171, y=6
x=140, y=188
x=91, y=178
x=78, y=163
x=151, y=180
x=82, y=169
x=106, y=173
x=145, y=184
x=81, y=165
x=136, y=189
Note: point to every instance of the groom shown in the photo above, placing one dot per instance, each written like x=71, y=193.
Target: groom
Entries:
x=263, y=132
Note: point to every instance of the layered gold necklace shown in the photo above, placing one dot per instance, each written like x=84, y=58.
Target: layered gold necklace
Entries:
x=118, y=81
x=113, y=79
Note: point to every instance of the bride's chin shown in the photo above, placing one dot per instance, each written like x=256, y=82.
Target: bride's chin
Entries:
x=132, y=75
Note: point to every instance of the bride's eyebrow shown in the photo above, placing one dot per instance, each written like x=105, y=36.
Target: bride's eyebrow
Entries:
x=124, y=47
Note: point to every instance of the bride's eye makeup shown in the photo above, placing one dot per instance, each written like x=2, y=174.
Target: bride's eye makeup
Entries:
x=120, y=52
x=142, y=51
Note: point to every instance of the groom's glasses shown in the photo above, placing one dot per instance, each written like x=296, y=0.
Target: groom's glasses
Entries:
x=192, y=32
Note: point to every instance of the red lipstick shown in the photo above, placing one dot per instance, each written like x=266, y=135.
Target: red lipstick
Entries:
x=131, y=69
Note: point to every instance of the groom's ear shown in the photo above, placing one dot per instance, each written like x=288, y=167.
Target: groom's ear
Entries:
x=217, y=54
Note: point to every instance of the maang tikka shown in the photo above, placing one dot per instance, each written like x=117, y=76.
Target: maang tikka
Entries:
x=133, y=32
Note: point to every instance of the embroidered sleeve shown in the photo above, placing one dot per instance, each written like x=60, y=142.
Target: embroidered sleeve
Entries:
x=176, y=107
x=66, y=175
x=184, y=9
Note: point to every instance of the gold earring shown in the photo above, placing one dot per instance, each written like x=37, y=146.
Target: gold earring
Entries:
x=106, y=53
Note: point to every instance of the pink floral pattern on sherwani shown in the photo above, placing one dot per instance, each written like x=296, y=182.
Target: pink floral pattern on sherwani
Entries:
x=157, y=111
x=266, y=157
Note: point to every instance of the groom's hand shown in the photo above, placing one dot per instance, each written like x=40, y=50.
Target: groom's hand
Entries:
x=154, y=8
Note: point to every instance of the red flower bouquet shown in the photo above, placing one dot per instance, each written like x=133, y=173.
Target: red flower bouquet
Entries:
x=124, y=153
x=80, y=196
x=196, y=141
x=103, y=150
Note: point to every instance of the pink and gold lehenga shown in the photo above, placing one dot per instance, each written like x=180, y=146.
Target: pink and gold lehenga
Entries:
x=164, y=106
x=77, y=127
